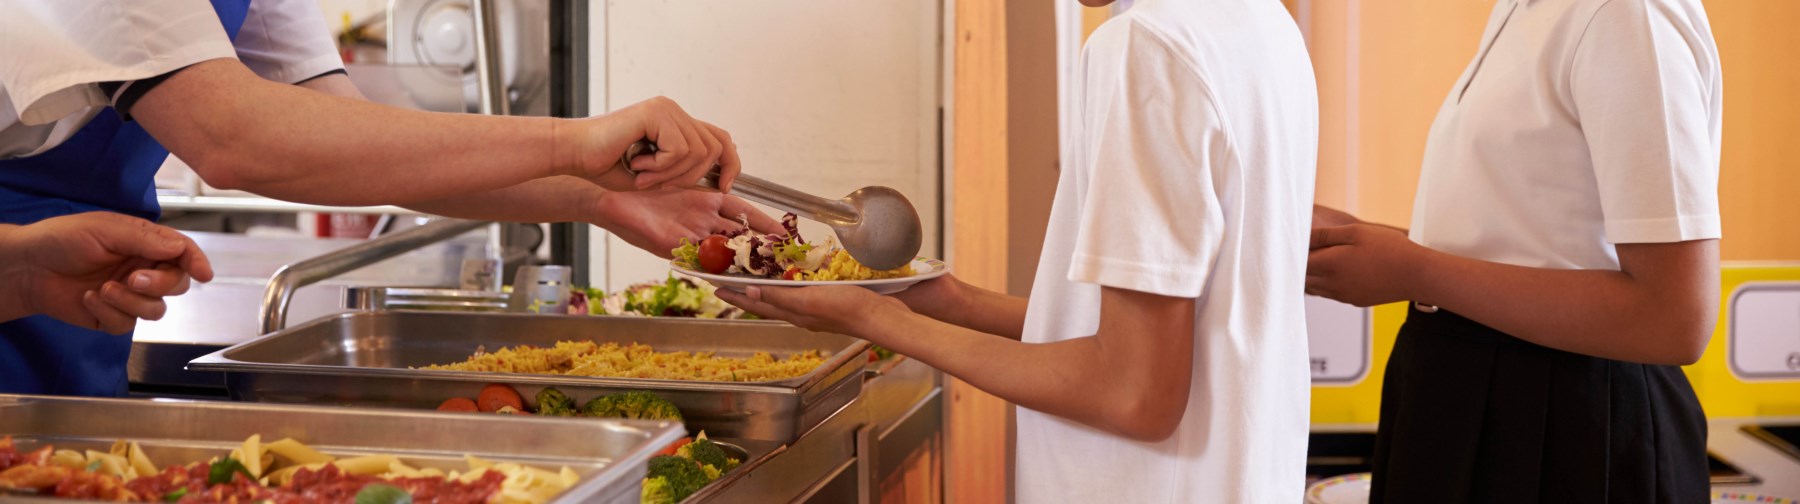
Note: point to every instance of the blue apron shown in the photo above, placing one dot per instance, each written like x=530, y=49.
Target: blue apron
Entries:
x=108, y=165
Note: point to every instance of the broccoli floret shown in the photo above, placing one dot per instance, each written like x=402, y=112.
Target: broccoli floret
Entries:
x=656, y=491
x=707, y=452
x=632, y=404
x=552, y=402
x=684, y=476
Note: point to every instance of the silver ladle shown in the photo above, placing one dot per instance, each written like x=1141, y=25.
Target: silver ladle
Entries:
x=876, y=224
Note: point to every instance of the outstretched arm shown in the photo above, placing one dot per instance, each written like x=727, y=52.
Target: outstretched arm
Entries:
x=240, y=131
x=1140, y=361
x=950, y=300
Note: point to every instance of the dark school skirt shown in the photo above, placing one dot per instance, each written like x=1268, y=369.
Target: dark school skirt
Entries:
x=1470, y=414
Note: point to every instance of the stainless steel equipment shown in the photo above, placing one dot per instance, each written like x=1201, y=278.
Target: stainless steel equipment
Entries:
x=224, y=312
x=877, y=225
x=364, y=359
x=611, y=455
x=294, y=276
x=541, y=289
x=425, y=299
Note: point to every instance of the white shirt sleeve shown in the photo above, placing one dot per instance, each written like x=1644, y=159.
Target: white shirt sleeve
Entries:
x=286, y=41
x=56, y=52
x=1645, y=81
x=1150, y=220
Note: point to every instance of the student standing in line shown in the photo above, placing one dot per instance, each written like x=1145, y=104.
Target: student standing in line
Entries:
x=1161, y=356
x=1562, y=264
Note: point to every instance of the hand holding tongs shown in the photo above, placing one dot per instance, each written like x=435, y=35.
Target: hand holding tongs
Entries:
x=876, y=224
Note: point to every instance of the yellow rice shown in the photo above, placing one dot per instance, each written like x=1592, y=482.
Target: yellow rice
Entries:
x=586, y=358
x=844, y=267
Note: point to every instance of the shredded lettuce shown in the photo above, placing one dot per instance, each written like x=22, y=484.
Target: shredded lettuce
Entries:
x=791, y=252
x=687, y=255
x=596, y=301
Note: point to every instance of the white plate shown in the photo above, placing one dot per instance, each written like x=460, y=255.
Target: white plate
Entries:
x=1738, y=498
x=1346, y=489
x=923, y=269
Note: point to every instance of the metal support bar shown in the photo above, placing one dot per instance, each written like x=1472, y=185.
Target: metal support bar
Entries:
x=867, y=479
x=294, y=276
x=490, y=87
x=489, y=80
x=568, y=98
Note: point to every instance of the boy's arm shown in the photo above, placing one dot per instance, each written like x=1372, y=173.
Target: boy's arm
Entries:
x=1131, y=378
x=950, y=300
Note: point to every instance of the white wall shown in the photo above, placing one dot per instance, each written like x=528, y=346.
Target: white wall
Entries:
x=825, y=97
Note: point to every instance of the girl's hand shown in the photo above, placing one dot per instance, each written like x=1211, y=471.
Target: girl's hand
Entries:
x=1324, y=217
x=841, y=309
x=1361, y=264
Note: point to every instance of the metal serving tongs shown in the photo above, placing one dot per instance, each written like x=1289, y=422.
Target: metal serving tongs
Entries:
x=876, y=224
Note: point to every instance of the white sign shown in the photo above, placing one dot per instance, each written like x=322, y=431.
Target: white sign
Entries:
x=1764, y=338
x=1339, y=341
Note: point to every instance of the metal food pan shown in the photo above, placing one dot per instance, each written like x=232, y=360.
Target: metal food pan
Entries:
x=610, y=455
x=363, y=359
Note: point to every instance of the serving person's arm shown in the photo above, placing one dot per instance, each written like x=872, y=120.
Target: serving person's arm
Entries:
x=96, y=270
x=240, y=131
x=655, y=221
x=1659, y=308
x=1138, y=366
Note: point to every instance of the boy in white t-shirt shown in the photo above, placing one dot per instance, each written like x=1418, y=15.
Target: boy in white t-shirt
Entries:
x=1162, y=354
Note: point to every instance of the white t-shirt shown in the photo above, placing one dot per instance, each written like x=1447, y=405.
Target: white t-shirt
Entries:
x=1580, y=124
x=1192, y=176
x=55, y=53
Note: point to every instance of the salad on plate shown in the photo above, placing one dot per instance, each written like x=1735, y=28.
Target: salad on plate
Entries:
x=745, y=252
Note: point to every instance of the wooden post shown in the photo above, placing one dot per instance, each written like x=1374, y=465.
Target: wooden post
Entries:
x=1004, y=164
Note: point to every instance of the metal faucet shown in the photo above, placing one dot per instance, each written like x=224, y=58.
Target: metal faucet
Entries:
x=294, y=276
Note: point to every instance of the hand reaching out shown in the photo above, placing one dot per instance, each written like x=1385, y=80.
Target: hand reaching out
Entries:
x=657, y=220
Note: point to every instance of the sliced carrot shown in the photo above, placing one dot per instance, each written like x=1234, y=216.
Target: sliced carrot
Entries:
x=458, y=404
x=496, y=396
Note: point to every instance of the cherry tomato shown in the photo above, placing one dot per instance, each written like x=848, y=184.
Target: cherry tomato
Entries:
x=791, y=273
x=458, y=404
x=715, y=257
x=496, y=396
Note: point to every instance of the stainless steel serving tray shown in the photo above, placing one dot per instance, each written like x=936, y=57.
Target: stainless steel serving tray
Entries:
x=610, y=455
x=363, y=359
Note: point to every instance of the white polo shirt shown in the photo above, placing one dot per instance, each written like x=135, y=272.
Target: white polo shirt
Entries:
x=54, y=54
x=1191, y=175
x=1580, y=124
